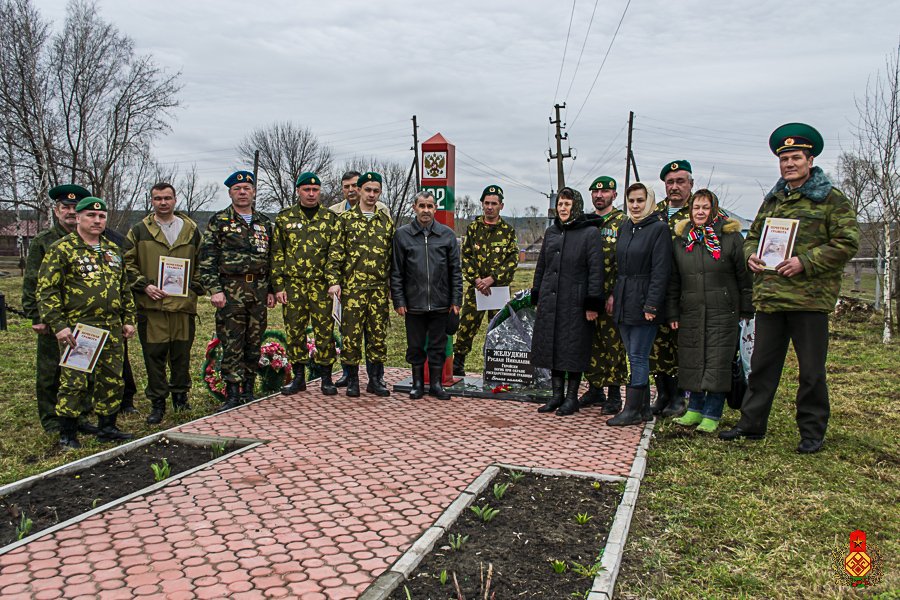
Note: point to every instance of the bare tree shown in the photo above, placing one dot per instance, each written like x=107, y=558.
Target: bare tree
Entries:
x=395, y=176
x=532, y=225
x=194, y=196
x=285, y=151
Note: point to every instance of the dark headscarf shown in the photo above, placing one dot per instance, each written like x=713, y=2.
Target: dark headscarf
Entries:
x=577, y=204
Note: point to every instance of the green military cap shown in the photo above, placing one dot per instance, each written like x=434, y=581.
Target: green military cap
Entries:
x=368, y=176
x=68, y=193
x=239, y=177
x=675, y=165
x=796, y=136
x=308, y=178
x=603, y=183
x=90, y=203
x=492, y=190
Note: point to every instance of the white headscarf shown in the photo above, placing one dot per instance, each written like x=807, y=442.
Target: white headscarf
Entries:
x=649, y=208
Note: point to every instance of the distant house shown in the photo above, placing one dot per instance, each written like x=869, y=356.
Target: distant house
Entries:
x=10, y=233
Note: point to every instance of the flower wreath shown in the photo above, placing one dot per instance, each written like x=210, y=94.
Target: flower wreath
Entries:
x=274, y=367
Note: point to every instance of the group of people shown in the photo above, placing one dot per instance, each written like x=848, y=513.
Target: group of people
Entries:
x=667, y=285
x=658, y=288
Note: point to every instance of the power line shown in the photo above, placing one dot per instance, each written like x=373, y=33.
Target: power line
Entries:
x=580, y=54
x=603, y=155
x=565, y=49
x=608, y=49
x=360, y=128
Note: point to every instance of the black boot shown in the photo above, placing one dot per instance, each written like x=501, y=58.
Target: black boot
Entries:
x=593, y=395
x=180, y=401
x=342, y=382
x=127, y=405
x=418, y=382
x=298, y=383
x=158, y=410
x=570, y=406
x=663, y=396
x=646, y=411
x=376, y=383
x=68, y=438
x=232, y=396
x=247, y=389
x=557, y=386
x=613, y=403
x=108, y=430
x=435, y=385
x=328, y=388
x=85, y=426
x=677, y=405
x=632, y=414
x=353, y=381
x=459, y=365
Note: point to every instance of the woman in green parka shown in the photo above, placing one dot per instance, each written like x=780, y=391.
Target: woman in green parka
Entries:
x=710, y=290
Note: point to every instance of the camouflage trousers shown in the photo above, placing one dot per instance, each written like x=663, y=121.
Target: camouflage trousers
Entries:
x=664, y=355
x=366, y=315
x=102, y=389
x=608, y=358
x=470, y=319
x=166, y=340
x=309, y=303
x=240, y=325
x=46, y=373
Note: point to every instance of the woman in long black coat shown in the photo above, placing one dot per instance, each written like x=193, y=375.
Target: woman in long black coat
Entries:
x=709, y=291
x=568, y=290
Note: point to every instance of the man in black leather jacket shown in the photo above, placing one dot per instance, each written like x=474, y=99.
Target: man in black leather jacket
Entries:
x=426, y=287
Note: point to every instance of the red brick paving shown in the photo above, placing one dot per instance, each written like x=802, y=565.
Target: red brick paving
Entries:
x=340, y=490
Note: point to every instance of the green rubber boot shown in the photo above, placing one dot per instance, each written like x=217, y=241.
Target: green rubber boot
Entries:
x=708, y=425
x=690, y=419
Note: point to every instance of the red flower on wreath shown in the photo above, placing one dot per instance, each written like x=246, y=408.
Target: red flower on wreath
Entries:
x=500, y=389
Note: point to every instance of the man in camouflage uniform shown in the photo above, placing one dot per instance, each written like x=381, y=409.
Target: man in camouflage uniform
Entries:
x=794, y=298
x=608, y=365
x=166, y=322
x=490, y=255
x=670, y=402
x=364, y=255
x=47, y=364
x=303, y=268
x=83, y=280
x=234, y=261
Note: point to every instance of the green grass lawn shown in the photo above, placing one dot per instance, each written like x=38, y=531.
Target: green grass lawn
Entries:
x=743, y=520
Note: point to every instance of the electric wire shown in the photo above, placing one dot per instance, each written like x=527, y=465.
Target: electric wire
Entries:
x=565, y=49
x=580, y=54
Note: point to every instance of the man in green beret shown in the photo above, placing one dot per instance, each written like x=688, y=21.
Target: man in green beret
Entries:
x=678, y=178
x=234, y=266
x=83, y=280
x=794, y=297
x=363, y=254
x=608, y=365
x=490, y=255
x=303, y=268
x=65, y=198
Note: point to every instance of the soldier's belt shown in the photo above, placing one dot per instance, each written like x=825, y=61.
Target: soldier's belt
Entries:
x=246, y=277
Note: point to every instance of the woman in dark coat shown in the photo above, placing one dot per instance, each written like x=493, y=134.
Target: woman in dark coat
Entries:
x=643, y=262
x=709, y=292
x=568, y=290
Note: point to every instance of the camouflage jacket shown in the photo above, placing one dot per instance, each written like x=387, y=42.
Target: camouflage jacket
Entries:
x=827, y=238
x=36, y=252
x=341, y=207
x=364, y=250
x=231, y=247
x=490, y=251
x=683, y=213
x=78, y=284
x=301, y=247
x=609, y=230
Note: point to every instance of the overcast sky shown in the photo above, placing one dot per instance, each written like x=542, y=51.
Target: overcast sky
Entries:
x=708, y=81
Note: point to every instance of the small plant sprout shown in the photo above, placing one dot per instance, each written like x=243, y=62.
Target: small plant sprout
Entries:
x=499, y=490
x=24, y=527
x=457, y=541
x=96, y=503
x=443, y=577
x=485, y=513
x=160, y=470
x=586, y=571
x=582, y=518
x=408, y=595
x=516, y=476
x=559, y=566
x=596, y=485
x=217, y=450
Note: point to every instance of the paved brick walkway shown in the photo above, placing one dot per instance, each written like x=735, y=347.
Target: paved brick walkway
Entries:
x=340, y=490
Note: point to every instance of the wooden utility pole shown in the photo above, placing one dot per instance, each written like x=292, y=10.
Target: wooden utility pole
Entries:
x=255, y=166
x=629, y=158
x=415, y=150
x=559, y=156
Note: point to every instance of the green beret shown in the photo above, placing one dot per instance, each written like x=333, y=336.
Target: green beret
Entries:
x=603, y=183
x=90, y=203
x=368, y=176
x=796, y=136
x=308, y=178
x=68, y=193
x=675, y=165
x=492, y=190
x=239, y=177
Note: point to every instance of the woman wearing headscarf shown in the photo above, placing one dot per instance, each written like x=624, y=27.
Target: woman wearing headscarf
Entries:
x=709, y=291
x=568, y=291
x=643, y=263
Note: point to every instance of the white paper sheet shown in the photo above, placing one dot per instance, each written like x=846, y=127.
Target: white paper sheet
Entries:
x=497, y=300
